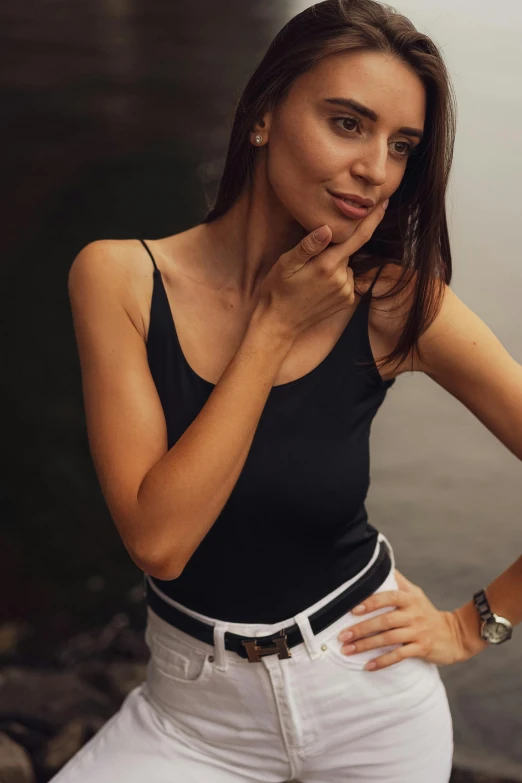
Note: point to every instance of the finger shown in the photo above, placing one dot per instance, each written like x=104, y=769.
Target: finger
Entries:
x=398, y=655
x=364, y=229
x=311, y=245
x=383, y=621
x=397, y=636
x=337, y=254
x=386, y=598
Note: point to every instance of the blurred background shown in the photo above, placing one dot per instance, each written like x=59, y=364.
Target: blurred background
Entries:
x=116, y=116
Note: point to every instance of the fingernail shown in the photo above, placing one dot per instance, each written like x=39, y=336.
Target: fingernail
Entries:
x=321, y=233
x=359, y=608
x=345, y=636
x=385, y=203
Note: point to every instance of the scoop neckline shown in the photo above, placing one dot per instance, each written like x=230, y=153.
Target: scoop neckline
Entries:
x=364, y=299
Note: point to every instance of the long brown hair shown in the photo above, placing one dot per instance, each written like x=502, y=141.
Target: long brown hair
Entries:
x=414, y=232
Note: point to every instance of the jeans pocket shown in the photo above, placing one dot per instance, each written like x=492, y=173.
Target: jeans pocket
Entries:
x=357, y=660
x=172, y=659
x=394, y=677
x=405, y=681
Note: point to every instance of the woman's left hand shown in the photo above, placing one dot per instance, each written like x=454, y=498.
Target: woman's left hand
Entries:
x=422, y=630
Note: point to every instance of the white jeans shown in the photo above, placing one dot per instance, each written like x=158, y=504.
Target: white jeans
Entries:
x=206, y=715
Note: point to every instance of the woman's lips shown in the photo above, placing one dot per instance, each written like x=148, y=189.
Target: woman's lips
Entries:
x=356, y=213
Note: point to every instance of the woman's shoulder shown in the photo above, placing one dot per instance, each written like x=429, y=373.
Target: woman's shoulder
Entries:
x=122, y=266
x=126, y=266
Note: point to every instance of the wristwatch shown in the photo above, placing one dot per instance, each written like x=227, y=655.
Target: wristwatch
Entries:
x=494, y=629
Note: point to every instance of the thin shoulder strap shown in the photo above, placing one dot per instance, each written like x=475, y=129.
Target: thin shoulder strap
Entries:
x=150, y=254
x=369, y=291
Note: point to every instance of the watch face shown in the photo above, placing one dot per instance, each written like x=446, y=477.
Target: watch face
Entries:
x=496, y=632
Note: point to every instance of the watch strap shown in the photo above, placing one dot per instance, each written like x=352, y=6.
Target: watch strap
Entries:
x=482, y=605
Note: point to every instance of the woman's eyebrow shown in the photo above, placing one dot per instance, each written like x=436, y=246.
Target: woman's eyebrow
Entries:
x=349, y=103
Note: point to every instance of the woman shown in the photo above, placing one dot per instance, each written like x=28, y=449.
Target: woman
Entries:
x=235, y=462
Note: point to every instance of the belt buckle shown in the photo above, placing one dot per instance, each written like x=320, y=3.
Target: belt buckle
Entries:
x=279, y=646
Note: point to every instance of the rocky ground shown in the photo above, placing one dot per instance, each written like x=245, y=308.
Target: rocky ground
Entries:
x=52, y=701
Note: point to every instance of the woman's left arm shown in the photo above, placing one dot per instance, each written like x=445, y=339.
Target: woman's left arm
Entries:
x=462, y=354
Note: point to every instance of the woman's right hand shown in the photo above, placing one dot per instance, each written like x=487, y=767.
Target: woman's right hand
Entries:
x=313, y=281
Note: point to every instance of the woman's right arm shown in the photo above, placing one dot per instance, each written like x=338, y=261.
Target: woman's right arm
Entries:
x=163, y=502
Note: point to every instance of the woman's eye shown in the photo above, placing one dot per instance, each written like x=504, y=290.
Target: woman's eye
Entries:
x=348, y=119
x=408, y=149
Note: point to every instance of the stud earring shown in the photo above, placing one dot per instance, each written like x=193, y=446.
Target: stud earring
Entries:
x=259, y=139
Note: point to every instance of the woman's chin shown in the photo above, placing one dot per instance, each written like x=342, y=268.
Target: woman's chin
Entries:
x=343, y=234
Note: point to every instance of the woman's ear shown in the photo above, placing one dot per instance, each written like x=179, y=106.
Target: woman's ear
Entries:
x=262, y=126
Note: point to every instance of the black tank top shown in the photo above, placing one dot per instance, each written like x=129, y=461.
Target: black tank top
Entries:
x=295, y=526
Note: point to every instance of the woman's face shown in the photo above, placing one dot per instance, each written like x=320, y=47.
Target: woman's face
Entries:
x=317, y=147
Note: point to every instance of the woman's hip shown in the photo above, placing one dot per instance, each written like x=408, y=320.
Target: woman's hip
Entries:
x=293, y=668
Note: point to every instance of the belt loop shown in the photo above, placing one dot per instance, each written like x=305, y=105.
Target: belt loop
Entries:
x=382, y=537
x=308, y=635
x=220, y=660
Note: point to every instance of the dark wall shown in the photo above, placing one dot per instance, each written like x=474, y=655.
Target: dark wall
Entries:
x=115, y=126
